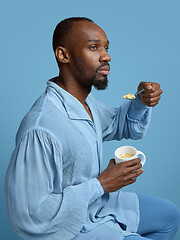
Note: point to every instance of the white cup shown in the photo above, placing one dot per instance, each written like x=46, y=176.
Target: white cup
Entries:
x=130, y=150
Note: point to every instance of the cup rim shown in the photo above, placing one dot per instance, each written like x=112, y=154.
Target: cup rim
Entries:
x=125, y=146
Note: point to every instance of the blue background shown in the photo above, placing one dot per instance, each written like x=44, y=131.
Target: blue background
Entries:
x=144, y=45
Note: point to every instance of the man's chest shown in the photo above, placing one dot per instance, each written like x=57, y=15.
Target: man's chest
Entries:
x=81, y=146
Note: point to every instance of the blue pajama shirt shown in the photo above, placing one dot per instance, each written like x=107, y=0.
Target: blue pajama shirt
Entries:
x=52, y=191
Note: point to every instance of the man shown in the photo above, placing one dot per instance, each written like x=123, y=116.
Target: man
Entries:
x=55, y=186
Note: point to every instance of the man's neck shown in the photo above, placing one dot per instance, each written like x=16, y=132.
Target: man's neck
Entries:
x=74, y=89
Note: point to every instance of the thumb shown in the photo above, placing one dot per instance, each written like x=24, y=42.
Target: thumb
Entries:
x=148, y=85
x=111, y=162
x=145, y=85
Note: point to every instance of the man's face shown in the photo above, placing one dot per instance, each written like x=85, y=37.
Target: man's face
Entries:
x=88, y=47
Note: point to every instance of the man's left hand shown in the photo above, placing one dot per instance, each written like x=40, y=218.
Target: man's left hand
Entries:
x=151, y=95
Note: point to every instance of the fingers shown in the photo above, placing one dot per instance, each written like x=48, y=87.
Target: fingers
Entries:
x=131, y=178
x=131, y=181
x=134, y=168
x=152, y=93
x=150, y=86
x=128, y=163
x=131, y=163
x=116, y=176
x=135, y=174
x=151, y=100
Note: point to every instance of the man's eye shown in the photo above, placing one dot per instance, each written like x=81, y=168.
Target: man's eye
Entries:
x=93, y=47
x=106, y=48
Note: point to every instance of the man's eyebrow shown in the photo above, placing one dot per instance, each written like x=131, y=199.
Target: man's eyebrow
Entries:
x=96, y=40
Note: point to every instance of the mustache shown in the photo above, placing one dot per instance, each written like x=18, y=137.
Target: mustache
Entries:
x=102, y=65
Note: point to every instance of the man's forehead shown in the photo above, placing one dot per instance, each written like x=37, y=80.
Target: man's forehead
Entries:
x=87, y=31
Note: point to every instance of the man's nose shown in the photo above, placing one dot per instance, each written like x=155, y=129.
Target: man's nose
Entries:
x=105, y=57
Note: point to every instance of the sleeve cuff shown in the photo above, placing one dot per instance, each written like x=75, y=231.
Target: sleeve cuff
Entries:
x=137, y=110
x=95, y=190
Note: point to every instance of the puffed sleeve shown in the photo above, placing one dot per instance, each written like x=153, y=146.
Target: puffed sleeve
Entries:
x=130, y=120
x=37, y=205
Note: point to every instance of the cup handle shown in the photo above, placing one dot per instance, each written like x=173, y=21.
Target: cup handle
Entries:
x=143, y=157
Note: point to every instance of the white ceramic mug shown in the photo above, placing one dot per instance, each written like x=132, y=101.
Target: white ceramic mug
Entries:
x=130, y=150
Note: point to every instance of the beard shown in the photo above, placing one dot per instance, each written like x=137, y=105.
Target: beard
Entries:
x=99, y=84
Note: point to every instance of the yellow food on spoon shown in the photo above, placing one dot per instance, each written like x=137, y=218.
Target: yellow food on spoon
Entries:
x=129, y=96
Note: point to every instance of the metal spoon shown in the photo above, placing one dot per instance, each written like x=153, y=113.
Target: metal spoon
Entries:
x=142, y=90
x=133, y=96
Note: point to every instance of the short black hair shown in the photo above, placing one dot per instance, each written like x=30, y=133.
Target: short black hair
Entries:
x=63, y=28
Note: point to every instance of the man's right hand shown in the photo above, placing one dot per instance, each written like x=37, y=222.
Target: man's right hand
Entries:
x=117, y=176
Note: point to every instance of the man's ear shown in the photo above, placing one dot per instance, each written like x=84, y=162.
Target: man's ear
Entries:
x=62, y=54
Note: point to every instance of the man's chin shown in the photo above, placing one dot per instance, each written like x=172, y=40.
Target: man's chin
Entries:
x=100, y=84
x=102, y=87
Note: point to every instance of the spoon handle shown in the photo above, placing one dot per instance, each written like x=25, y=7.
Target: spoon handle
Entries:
x=139, y=92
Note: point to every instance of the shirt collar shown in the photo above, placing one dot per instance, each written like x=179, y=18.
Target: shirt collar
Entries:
x=72, y=105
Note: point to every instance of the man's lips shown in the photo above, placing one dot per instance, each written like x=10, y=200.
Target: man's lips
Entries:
x=104, y=70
